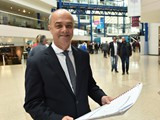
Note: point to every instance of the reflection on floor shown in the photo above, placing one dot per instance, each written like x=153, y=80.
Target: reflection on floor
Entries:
x=143, y=69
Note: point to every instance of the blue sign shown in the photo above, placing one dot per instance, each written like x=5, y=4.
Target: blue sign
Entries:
x=101, y=25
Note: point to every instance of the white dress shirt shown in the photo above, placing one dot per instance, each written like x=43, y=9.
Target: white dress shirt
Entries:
x=115, y=48
x=62, y=60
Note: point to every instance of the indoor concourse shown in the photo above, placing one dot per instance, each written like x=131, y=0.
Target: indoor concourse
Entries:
x=143, y=68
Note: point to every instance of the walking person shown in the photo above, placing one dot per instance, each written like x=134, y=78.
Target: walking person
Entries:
x=113, y=50
x=105, y=49
x=125, y=51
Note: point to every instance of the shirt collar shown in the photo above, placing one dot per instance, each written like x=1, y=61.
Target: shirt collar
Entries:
x=58, y=50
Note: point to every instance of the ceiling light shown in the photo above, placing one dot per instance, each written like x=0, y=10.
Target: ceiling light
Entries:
x=19, y=10
x=24, y=11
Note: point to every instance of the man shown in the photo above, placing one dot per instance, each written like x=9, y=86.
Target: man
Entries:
x=125, y=51
x=105, y=49
x=50, y=94
x=41, y=46
x=113, y=49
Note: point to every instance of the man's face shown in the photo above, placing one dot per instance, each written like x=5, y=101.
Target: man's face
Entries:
x=61, y=27
x=114, y=39
x=123, y=39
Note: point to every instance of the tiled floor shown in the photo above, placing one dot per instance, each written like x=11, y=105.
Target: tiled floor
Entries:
x=143, y=69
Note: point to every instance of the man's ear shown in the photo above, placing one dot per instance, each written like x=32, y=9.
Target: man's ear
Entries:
x=49, y=27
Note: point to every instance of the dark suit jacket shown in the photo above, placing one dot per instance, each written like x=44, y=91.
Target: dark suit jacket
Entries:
x=111, y=48
x=125, y=47
x=48, y=94
x=37, y=49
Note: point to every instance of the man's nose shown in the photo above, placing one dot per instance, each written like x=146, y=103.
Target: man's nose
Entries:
x=64, y=29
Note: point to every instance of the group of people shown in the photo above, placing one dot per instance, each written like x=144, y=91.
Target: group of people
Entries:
x=123, y=50
x=58, y=79
x=39, y=44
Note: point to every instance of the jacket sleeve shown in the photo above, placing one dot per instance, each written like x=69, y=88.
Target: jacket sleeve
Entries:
x=130, y=48
x=119, y=49
x=95, y=92
x=34, y=96
x=109, y=47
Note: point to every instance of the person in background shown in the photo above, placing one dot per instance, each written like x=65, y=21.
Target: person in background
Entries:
x=35, y=42
x=96, y=47
x=83, y=47
x=125, y=51
x=113, y=50
x=28, y=48
x=90, y=48
x=105, y=49
x=50, y=91
x=41, y=46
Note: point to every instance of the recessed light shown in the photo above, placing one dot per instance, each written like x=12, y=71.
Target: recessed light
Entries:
x=24, y=11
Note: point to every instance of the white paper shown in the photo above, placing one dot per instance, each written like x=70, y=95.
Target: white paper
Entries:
x=117, y=107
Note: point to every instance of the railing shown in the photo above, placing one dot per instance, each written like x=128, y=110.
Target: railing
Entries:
x=99, y=2
x=12, y=19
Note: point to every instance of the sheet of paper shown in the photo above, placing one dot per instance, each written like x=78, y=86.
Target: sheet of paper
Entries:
x=117, y=107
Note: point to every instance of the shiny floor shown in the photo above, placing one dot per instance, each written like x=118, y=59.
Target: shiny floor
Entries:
x=143, y=69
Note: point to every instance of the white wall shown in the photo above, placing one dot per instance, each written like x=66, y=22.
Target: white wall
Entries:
x=17, y=35
x=108, y=39
x=150, y=11
x=13, y=31
x=153, y=38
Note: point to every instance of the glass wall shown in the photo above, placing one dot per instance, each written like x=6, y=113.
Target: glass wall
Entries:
x=22, y=21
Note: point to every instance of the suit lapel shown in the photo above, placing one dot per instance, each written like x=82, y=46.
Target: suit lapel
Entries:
x=56, y=66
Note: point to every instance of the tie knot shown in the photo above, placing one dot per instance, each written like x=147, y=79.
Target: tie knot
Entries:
x=65, y=52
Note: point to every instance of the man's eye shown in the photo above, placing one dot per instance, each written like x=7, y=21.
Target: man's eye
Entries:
x=69, y=26
x=58, y=26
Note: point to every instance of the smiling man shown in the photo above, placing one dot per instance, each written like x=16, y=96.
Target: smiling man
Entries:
x=53, y=91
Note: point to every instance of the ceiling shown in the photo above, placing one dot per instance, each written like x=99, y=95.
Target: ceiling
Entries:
x=150, y=11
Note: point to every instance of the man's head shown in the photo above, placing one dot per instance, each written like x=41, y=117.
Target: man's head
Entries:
x=114, y=39
x=123, y=39
x=61, y=25
x=42, y=39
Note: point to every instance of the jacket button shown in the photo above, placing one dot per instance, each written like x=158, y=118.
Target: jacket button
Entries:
x=77, y=102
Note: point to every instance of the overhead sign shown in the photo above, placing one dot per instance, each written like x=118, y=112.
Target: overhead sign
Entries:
x=135, y=21
x=96, y=20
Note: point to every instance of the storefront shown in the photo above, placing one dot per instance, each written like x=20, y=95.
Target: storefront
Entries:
x=10, y=54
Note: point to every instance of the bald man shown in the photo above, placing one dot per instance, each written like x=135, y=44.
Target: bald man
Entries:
x=49, y=89
x=125, y=51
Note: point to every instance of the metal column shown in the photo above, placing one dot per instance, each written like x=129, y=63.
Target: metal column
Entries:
x=60, y=4
x=91, y=34
x=146, y=39
x=104, y=26
x=123, y=28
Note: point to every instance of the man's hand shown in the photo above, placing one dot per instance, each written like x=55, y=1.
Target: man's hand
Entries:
x=67, y=118
x=106, y=100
